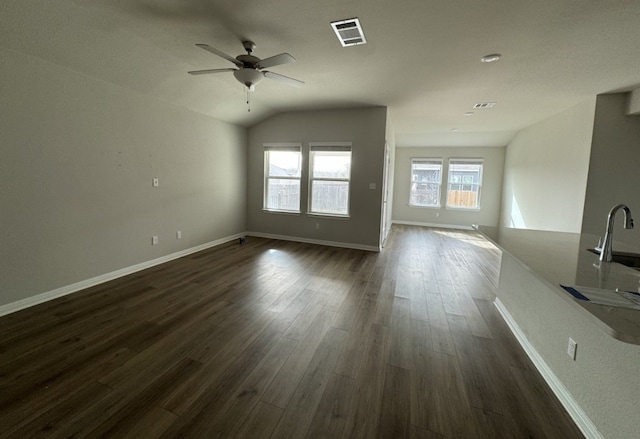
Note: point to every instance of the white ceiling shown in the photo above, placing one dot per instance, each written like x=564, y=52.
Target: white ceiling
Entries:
x=422, y=59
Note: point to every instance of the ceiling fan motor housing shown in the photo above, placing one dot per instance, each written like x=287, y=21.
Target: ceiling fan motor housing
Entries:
x=248, y=61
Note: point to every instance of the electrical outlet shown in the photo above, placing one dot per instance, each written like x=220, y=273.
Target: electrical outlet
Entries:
x=317, y=226
x=154, y=240
x=179, y=234
x=571, y=349
x=155, y=182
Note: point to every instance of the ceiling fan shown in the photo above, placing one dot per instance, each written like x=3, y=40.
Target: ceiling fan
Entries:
x=250, y=69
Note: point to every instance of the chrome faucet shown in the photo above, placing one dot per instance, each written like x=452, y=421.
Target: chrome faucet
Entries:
x=606, y=252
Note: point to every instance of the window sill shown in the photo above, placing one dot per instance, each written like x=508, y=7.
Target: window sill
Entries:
x=468, y=209
x=418, y=206
x=282, y=212
x=328, y=216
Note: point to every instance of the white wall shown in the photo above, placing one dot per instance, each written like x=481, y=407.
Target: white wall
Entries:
x=614, y=169
x=78, y=158
x=546, y=169
x=365, y=128
x=490, y=194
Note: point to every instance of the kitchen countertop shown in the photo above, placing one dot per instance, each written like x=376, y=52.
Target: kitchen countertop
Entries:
x=562, y=258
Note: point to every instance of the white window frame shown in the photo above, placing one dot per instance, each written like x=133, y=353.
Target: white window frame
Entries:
x=426, y=160
x=477, y=186
x=327, y=147
x=287, y=147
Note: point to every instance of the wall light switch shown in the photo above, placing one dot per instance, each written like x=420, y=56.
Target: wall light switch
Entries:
x=155, y=182
x=571, y=349
x=154, y=240
x=179, y=234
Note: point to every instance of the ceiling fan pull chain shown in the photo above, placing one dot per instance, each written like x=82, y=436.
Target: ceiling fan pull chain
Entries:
x=248, y=100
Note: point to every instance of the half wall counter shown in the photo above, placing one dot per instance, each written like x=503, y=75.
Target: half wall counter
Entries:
x=600, y=385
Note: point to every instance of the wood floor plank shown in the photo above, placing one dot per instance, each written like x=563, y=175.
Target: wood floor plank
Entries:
x=421, y=433
x=350, y=305
x=152, y=425
x=367, y=400
x=197, y=414
x=231, y=414
x=285, y=383
x=353, y=351
x=449, y=410
x=124, y=410
x=481, y=380
x=386, y=296
x=331, y=416
x=305, y=317
x=234, y=358
x=47, y=420
x=395, y=415
x=440, y=332
x=400, y=347
x=31, y=407
x=261, y=422
x=278, y=339
x=299, y=413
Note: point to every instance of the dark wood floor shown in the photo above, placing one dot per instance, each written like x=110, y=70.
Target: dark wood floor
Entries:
x=277, y=339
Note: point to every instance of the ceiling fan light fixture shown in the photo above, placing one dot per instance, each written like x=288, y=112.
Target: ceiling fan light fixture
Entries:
x=248, y=77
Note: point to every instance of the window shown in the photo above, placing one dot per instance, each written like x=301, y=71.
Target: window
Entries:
x=426, y=179
x=465, y=182
x=329, y=175
x=282, y=166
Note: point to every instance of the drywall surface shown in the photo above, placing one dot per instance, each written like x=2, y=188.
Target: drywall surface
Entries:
x=545, y=172
x=365, y=129
x=614, y=168
x=489, y=197
x=633, y=103
x=78, y=159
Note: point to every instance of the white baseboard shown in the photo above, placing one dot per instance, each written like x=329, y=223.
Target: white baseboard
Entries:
x=68, y=289
x=578, y=415
x=315, y=241
x=439, y=226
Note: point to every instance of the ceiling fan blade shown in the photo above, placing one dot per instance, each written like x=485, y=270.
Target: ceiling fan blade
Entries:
x=276, y=60
x=219, y=53
x=206, y=72
x=284, y=79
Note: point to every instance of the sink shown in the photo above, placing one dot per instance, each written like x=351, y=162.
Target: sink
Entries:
x=629, y=259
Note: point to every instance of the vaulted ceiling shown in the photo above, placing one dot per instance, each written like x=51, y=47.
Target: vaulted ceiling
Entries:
x=422, y=59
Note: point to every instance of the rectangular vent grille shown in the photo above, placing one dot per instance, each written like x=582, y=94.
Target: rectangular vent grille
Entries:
x=349, y=32
x=485, y=105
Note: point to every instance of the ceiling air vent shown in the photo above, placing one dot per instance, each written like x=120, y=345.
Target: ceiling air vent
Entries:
x=349, y=32
x=485, y=105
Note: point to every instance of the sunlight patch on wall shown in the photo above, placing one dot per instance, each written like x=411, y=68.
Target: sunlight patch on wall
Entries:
x=516, y=219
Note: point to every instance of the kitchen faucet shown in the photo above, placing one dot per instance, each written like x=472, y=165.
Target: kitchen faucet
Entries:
x=606, y=252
